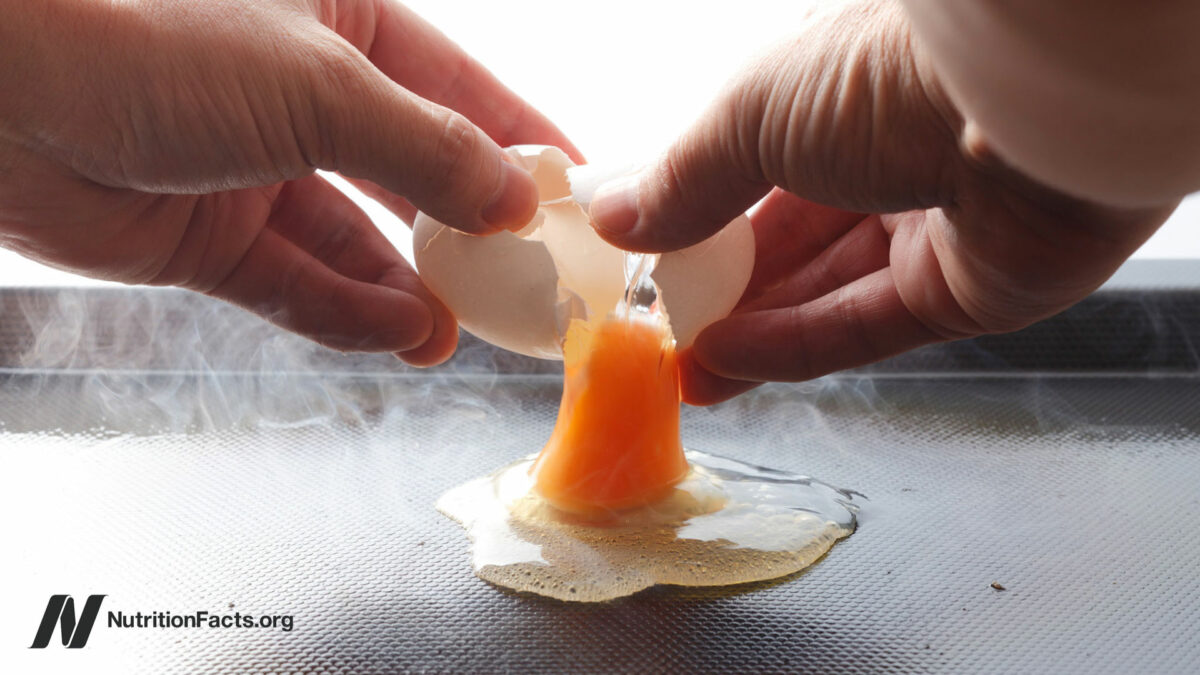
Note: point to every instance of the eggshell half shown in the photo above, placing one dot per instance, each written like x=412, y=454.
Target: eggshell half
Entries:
x=519, y=291
x=503, y=289
x=703, y=282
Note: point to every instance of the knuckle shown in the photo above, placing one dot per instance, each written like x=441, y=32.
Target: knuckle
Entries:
x=520, y=117
x=682, y=206
x=332, y=105
x=671, y=179
x=455, y=154
x=336, y=244
x=800, y=364
x=849, y=312
x=944, y=319
x=1005, y=313
x=455, y=80
x=455, y=137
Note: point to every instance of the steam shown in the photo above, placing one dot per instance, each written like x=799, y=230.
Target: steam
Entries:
x=149, y=360
x=152, y=360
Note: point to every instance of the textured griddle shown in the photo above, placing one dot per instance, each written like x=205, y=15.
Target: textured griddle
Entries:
x=182, y=477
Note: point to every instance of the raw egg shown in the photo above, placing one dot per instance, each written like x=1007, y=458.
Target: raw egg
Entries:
x=614, y=503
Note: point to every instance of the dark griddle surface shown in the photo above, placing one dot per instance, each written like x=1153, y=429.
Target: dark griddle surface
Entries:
x=183, y=476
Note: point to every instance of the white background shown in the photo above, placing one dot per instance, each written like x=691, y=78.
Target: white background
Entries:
x=622, y=78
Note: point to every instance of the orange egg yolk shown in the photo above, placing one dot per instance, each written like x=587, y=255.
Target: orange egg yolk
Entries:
x=616, y=442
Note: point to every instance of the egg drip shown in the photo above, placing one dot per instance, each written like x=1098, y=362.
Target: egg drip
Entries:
x=614, y=504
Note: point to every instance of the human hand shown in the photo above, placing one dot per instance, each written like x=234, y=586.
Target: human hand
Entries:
x=887, y=224
x=175, y=142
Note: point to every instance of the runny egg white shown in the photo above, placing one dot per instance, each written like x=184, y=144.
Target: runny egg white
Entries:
x=614, y=504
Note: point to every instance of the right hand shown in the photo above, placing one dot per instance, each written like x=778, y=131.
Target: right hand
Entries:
x=886, y=226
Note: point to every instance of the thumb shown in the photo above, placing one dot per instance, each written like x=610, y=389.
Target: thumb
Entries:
x=698, y=186
x=435, y=157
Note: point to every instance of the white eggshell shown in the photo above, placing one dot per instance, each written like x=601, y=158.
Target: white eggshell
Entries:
x=518, y=291
x=503, y=289
x=703, y=282
x=587, y=265
x=548, y=165
x=585, y=179
x=698, y=284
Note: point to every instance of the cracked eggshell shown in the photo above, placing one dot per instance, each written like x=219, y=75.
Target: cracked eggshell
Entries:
x=501, y=288
x=586, y=179
x=703, y=282
x=513, y=290
x=697, y=285
x=587, y=265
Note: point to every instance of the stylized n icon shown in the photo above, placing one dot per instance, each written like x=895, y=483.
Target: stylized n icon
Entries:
x=61, y=610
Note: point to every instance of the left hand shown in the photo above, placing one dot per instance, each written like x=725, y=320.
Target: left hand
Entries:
x=175, y=142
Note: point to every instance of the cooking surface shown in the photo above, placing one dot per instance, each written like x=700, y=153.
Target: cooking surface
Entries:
x=179, y=477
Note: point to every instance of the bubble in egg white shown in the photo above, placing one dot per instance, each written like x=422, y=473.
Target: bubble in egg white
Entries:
x=726, y=523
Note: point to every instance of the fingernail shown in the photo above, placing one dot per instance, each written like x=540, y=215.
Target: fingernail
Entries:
x=515, y=203
x=614, y=208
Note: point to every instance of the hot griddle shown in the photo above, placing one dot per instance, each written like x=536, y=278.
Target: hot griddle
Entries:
x=1032, y=501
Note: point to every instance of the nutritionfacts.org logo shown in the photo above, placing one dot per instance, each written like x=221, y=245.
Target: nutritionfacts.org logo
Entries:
x=75, y=628
x=60, y=611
